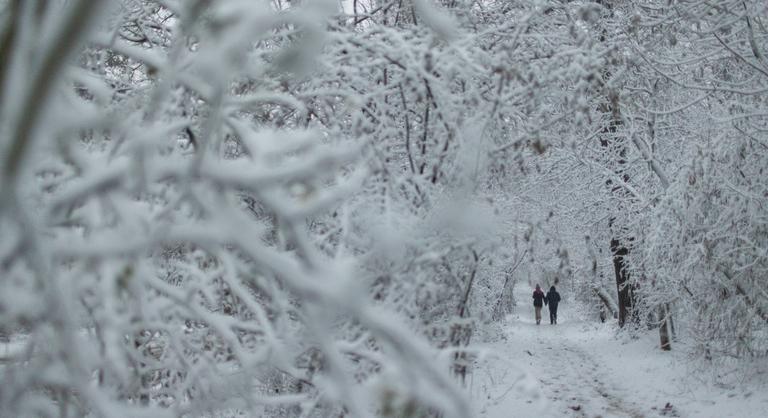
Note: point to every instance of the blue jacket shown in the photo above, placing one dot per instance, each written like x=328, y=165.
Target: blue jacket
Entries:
x=553, y=298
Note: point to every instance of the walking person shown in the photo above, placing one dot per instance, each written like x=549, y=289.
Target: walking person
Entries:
x=538, y=299
x=551, y=300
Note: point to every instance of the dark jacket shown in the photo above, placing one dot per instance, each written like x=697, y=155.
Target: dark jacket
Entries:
x=538, y=297
x=552, y=298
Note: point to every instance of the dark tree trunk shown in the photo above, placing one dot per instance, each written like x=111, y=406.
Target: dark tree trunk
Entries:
x=461, y=332
x=666, y=345
x=671, y=323
x=623, y=284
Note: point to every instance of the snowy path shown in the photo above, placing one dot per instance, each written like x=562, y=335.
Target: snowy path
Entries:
x=558, y=376
x=575, y=369
x=572, y=379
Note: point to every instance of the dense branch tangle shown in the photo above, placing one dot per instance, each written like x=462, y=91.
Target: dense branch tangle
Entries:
x=175, y=211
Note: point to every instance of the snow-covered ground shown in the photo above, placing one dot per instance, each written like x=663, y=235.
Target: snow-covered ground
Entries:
x=582, y=368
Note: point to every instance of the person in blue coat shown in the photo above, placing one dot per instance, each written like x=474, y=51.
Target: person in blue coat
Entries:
x=551, y=300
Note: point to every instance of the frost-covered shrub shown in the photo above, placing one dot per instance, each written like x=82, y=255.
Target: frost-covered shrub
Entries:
x=710, y=245
x=164, y=220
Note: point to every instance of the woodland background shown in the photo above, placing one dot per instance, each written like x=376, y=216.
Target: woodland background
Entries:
x=312, y=208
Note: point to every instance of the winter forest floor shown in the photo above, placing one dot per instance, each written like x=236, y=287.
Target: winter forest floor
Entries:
x=581, y=368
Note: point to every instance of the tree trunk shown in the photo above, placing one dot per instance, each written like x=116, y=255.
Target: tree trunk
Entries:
x=611, y=141
x=461, y=332
x=623, y=285
x=506, y=298
x=666, y=345
x=608, y=303
x=671, y=323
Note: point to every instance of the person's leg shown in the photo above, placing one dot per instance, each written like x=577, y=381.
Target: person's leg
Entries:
x=554, y=314
x=551, y=314
x=538, y=314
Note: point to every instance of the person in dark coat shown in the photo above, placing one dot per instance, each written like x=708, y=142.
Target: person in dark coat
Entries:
x=551, y=300
x=538, y=298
